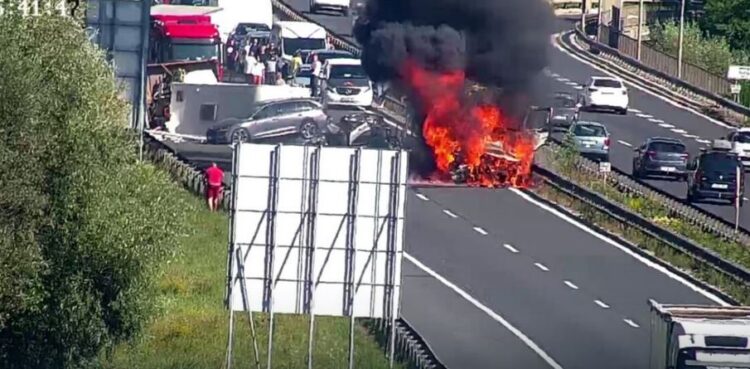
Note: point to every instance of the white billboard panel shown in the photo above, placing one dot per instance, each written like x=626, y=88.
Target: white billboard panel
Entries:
x=317, y=230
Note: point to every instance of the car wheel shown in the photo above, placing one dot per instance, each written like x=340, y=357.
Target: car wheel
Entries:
x=308, y=129
x=239, y=135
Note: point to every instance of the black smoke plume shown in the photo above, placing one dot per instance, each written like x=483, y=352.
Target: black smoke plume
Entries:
x=499, y=43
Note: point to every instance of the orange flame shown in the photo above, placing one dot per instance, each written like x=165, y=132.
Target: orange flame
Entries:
x=496, y=155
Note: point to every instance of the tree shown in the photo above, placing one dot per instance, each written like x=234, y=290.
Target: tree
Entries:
x=710, y=53
x=729, y=19
x=84, y=227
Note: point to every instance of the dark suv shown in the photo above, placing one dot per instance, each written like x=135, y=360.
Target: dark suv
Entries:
x=713, y=175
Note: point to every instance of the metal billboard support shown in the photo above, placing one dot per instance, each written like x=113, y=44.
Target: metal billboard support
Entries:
x=392, y=231
x=351, y=231
x=312, y=212
x=273, y=188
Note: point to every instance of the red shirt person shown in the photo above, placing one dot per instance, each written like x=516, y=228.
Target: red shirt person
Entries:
x=214, y=181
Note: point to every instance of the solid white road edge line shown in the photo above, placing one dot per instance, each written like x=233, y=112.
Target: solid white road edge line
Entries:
x=601, y=304
x=668, y=101
x=542, y=267
x=571, y=285
x=526, y=340
x=480, y=231
x=647, y=262
x=423, y=197
x=449, y=213
x=510, y=248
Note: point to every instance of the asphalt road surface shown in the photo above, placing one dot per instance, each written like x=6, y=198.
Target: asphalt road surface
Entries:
x=493, y=279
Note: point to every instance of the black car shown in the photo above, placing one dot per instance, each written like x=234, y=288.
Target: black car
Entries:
x=713, y=175
x=661, y=156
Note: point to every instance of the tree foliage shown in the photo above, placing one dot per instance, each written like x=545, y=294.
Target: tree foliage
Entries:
x=710, y=53
x=729, y=19
x=84, y=227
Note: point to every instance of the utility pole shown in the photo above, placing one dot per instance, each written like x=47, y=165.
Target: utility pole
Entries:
x=682, y=36
x=584, y=9
x=600, y=17
x=640, y=28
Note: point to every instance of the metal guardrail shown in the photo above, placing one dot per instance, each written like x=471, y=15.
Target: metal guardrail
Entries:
x=665, y=74
x=692, y=215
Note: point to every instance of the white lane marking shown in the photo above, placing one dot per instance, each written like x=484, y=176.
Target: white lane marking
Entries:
x=655, y=120
x=525, y=339
x=631, y=323
x=601, y=304
x=563, y=79
x=666, y=125
x=510, y=248
x=700, y=140
x=642, y=89
x=745, y=198
x=621, y=142
x=578, y=87
x=480, y=231
x=635, y=110
x=542, y=267
x=687, y=135
x=571, y=83
x=678, y=130
x=555, y=75
x=423, y=197
x=449, y=213
x=641, y=115
x=571, y=285
x=647, y=262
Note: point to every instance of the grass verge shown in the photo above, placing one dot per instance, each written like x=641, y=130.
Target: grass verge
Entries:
x=191, y=328
x=563, y=163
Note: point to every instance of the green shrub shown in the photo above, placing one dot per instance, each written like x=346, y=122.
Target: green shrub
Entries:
x=84, y=227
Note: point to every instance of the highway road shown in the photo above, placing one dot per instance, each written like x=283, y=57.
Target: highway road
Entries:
x=494, y=279
x=649, y=115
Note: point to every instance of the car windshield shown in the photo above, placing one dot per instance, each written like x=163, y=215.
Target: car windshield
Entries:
x=348, y=72
x=589, y=130
x=718, y=162
x=291, y=45
x=246, y=28
x=742, y=137
x=564, y=102
x=194, y=51
x=607, y=83
x=670, y=147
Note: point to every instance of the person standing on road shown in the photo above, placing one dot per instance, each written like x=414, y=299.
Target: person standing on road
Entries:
x=214, y=186
x=317, y=70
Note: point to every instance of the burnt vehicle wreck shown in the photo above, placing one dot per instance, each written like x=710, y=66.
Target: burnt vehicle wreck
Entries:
x=365, y=129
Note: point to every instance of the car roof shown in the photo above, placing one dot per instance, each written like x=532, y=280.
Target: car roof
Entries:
x=599, y=78
x=344, y=61
x=562, y=94
x=329, y=51
x=294, y=99
x=589, y=123
x=665, y=139
x=744, y=129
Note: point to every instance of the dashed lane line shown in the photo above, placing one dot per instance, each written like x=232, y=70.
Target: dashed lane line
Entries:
x=450, y=213
x=571, y=285
x=666, y=125
x=700, y=140
x=480, y=231
x=541, y=266
x=655, y=120
x=510, y=248
x=687, y=135
x=423, y=197
x=621, y=142
x=517, y=332
x=563, y=79
x=642, y=115
x=630, y=323
x=635, y=110
x=601, y=304
x=678, y=130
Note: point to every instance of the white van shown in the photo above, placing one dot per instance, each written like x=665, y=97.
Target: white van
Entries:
x=346, y=83
x=298, y=36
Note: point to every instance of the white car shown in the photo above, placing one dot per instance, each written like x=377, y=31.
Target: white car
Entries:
x=335, y=5
x=740, y=140
x=346, y=83
x=606, y=93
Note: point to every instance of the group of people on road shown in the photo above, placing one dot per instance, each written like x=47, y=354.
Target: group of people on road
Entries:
x=262, y=64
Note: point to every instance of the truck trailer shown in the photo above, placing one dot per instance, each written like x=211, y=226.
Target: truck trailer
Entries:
x=699, y=337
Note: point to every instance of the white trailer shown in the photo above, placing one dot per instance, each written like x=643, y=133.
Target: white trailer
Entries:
x=699, y=337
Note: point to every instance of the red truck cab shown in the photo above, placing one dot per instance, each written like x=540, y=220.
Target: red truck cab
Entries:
x=184, y=38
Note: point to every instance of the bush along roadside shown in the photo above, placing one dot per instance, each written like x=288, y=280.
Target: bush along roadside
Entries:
x=565, y=162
